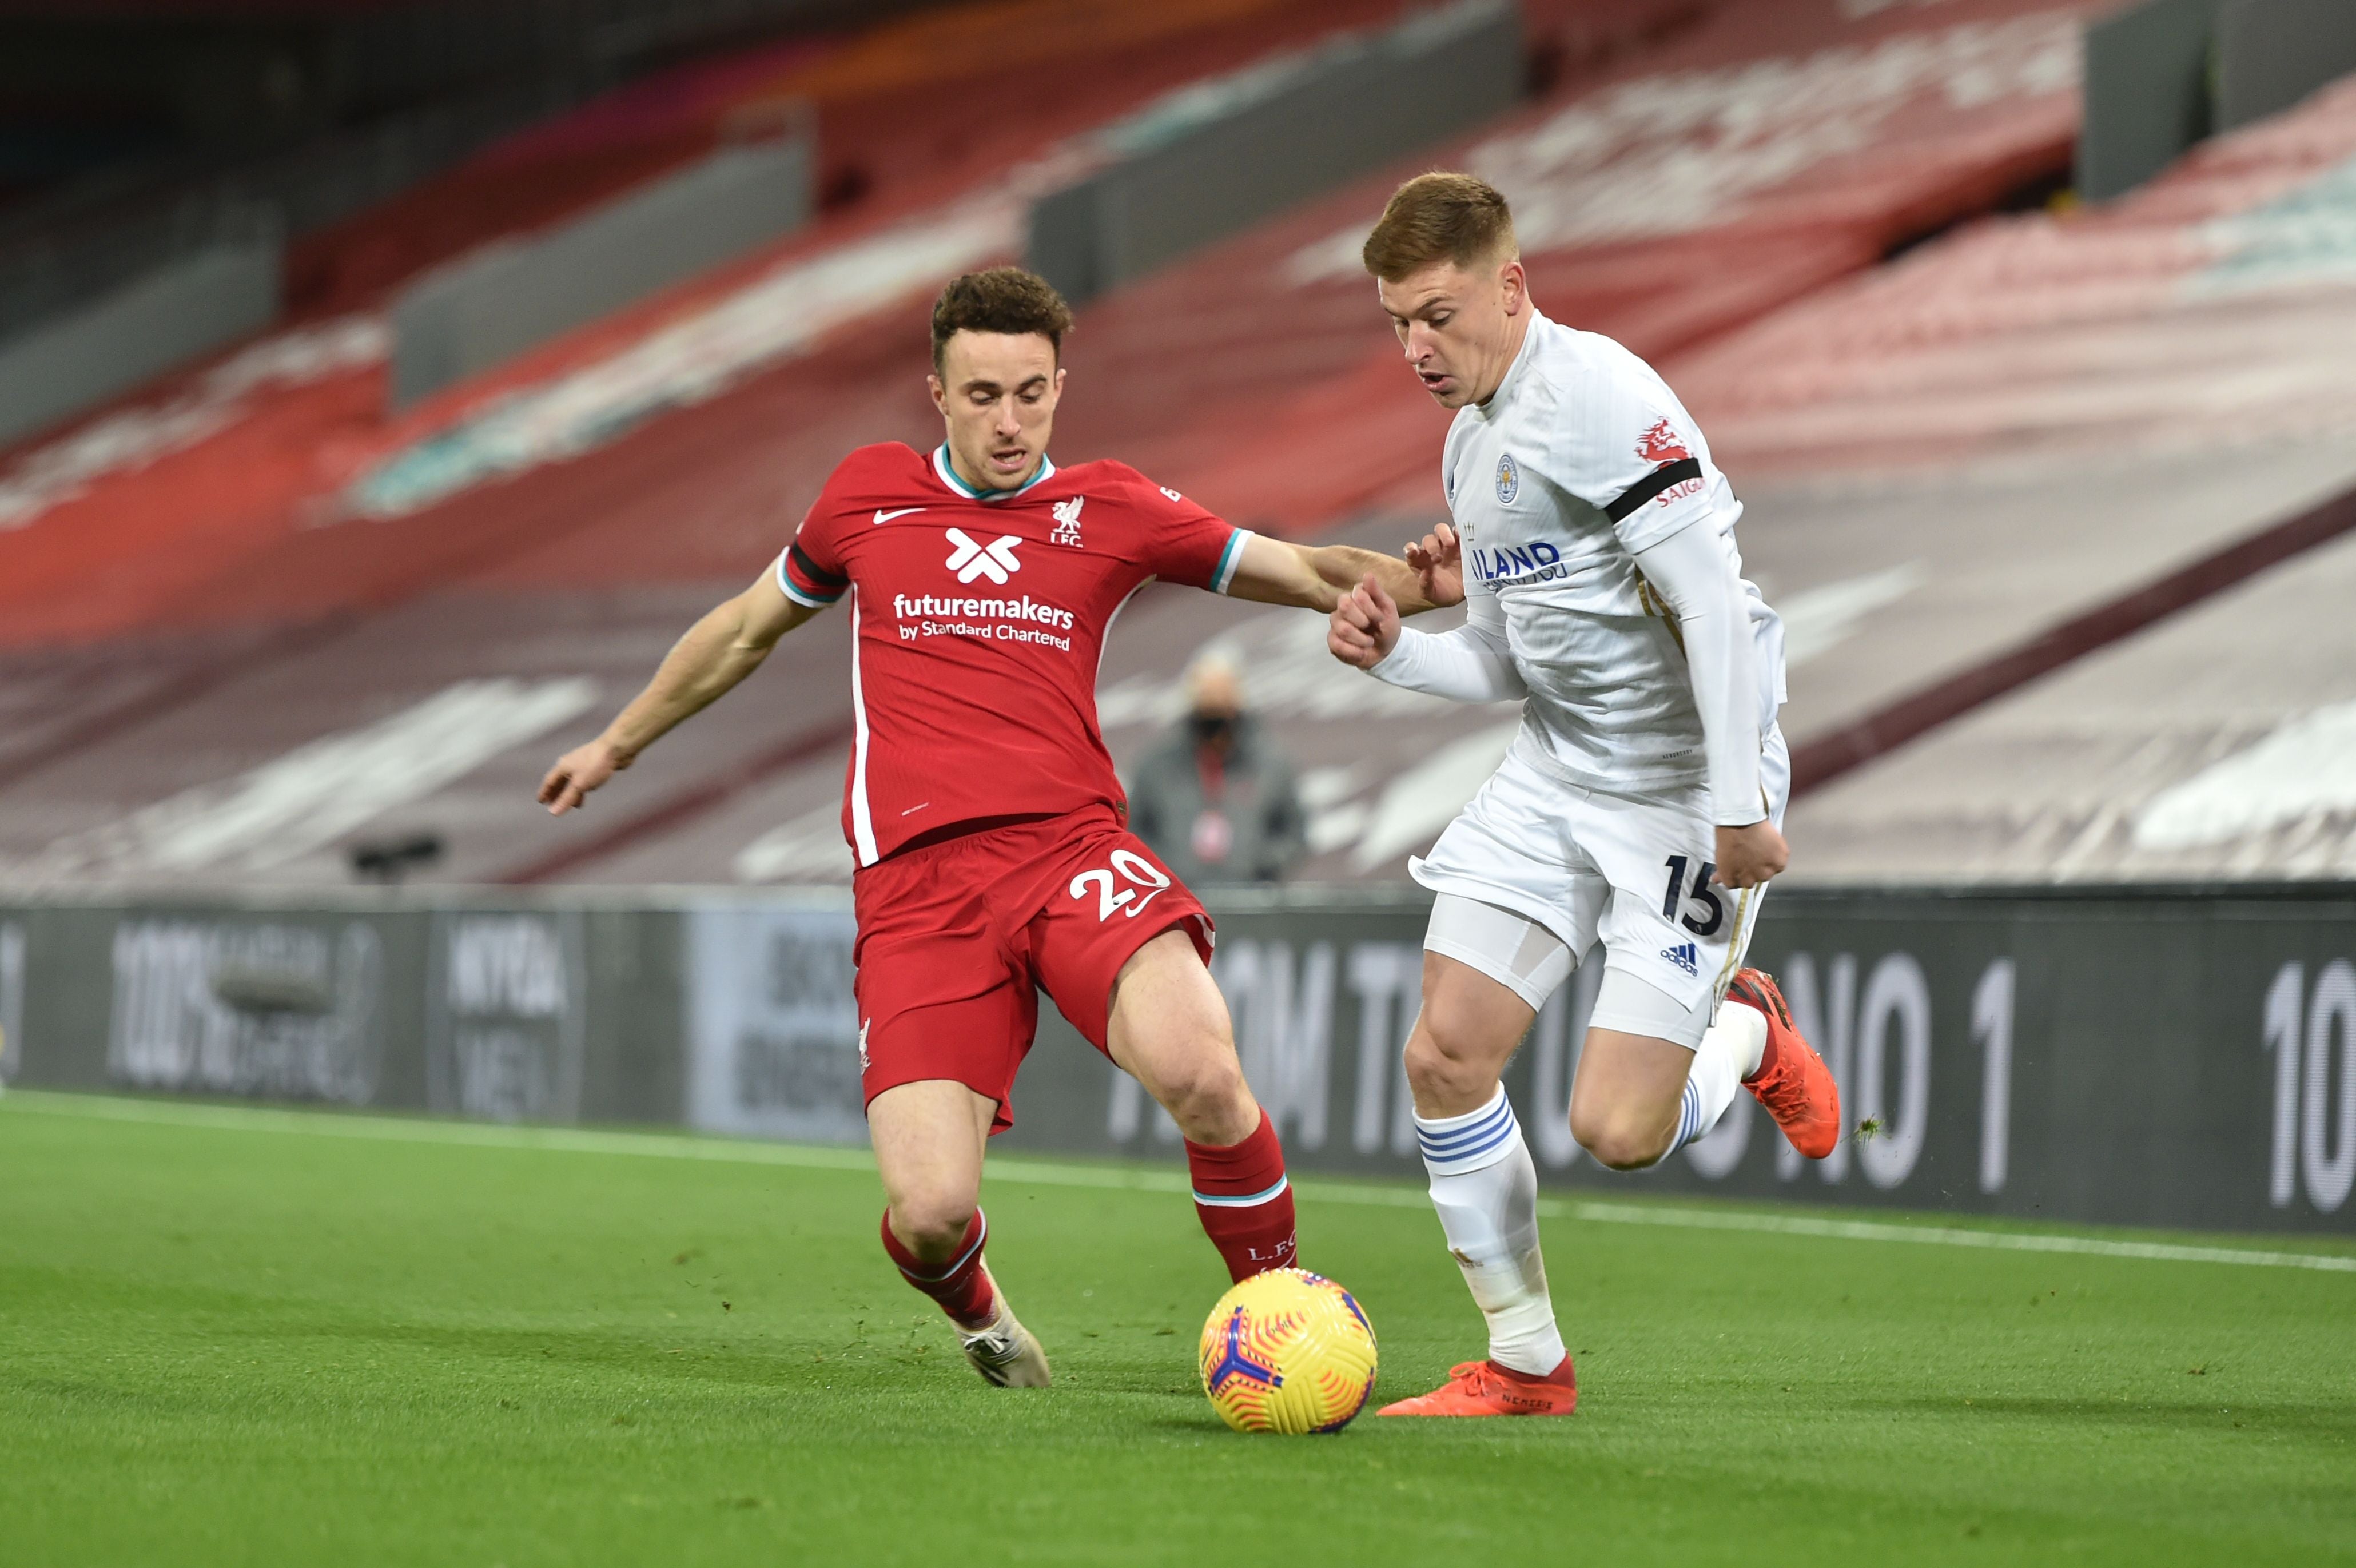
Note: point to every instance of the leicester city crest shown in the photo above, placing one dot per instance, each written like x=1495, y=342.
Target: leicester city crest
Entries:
x=1509, y=480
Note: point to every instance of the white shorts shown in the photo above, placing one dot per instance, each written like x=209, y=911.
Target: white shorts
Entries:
x=1580, y=866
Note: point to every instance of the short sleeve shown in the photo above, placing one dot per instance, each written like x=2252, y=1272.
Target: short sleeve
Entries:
x=811, y=571
x=1185, y=543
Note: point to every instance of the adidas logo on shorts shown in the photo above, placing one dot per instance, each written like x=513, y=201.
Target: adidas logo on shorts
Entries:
x=1684, y=957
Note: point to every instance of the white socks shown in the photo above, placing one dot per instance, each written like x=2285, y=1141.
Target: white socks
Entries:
x=1729, y=1052
x=1486, y=1191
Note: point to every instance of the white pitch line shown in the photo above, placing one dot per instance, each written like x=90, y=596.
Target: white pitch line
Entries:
x=463, y=1134
x=1955, y=1236
x=727, y=1151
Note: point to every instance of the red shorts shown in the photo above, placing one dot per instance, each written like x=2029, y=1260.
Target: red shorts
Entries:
x=957, y=938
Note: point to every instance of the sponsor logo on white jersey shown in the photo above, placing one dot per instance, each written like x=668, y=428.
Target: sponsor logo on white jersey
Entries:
x=1067, y=521
x=1684, y=957
x=1662, y=443
x=1537, y=561
x=994, y=561
x=1661, y=446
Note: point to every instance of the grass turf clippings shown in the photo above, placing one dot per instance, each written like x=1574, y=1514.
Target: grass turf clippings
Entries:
x=265, y=1338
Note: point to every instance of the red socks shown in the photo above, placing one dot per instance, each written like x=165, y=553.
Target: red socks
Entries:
x=958, y=1284
x=1240, y=1194
x=1243, y=1201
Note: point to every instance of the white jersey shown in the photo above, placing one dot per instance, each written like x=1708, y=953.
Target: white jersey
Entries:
x=1582, y=459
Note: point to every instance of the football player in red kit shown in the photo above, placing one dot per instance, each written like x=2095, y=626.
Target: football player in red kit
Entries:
x=993, y=860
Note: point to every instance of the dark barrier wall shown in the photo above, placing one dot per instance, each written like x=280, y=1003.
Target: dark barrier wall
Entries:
x=2144, y=1057
x=2147, y=93
x=2272, y=53
x=179, y=312
x=483, y=1012
x=486, y=308
x=2162, y=75
x=2130, y=1058
x=1210, y=164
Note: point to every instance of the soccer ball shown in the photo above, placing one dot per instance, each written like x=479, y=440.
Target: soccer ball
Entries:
x=1287, y=1351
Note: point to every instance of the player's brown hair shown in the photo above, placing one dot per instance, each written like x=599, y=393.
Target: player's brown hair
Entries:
x=1440, y=216
x=999, y=299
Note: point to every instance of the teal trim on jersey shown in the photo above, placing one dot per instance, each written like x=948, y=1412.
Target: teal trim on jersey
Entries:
x=947, y=471
x=1229, y=559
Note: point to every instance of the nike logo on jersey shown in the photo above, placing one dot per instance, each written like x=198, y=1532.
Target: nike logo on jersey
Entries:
x=994, y=561
x=883, y=516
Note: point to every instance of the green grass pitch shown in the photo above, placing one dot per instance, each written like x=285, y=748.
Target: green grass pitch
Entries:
x=255, y=1336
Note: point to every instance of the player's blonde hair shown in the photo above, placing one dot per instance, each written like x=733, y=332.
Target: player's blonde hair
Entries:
x=1440, y=217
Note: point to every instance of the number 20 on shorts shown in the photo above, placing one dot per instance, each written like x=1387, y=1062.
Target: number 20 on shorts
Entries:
x=1134, y=868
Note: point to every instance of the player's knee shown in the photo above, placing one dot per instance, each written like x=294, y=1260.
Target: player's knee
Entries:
x=1200, y=1087
x=931, y=1223
x=1618, y=1139
x=1445, y=1063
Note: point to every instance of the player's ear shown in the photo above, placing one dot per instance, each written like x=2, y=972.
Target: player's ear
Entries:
x=1057, y=390
x=940, y=394
x=1514, y=283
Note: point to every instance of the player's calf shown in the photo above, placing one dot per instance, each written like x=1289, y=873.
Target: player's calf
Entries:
x=928, y=1137
x=1484, y=1186
x=954, y=1276
x=1168, y=1029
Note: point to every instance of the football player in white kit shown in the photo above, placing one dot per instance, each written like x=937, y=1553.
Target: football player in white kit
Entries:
x=1639, y=808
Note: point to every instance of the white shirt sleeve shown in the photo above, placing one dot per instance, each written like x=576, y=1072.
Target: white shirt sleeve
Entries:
x=1473, y=663
x=1623, y=444
x=1694, y=574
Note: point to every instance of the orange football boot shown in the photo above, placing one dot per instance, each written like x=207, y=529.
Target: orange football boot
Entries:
x=1484, y=1388
x=1793, y=1083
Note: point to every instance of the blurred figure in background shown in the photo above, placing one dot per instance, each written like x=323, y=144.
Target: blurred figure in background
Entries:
x=1216, y=799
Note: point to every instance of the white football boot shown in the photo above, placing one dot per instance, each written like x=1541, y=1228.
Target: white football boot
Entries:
x=1003, y=1352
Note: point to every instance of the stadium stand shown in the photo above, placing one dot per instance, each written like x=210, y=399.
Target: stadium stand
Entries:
x=301, y=576
x=2169, y=375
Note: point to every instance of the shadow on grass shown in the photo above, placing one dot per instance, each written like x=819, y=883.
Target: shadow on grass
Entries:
x=894, y=1360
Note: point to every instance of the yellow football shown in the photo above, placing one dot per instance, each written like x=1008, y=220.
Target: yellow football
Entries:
x=1287, y=1351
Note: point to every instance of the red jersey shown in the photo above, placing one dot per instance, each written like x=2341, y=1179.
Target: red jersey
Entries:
x=978, y=621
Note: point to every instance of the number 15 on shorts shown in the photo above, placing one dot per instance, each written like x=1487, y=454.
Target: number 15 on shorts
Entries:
x=1702, y=894
x=1133, y=868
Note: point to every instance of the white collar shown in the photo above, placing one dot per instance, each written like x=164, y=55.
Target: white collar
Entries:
x=950, y=478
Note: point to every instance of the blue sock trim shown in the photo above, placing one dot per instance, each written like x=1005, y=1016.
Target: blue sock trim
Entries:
x=1689, y=1118
x=1490, y=1122
x=1470, y=1141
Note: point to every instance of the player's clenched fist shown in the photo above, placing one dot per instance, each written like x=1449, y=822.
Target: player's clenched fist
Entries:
x=1748, y=856
x=577, y=772
x=1365, y=625
x=1438, y=562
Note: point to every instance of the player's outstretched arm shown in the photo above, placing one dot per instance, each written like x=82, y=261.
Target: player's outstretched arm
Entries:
x=1275, y=571
x=719, y=651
